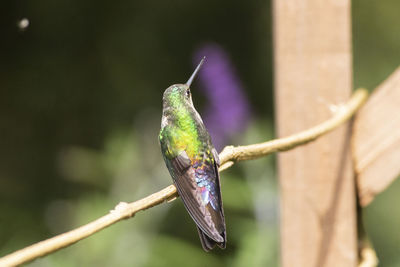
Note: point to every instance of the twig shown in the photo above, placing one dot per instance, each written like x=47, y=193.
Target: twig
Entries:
x=228, y=157
x=231, y=154
x=368, y=256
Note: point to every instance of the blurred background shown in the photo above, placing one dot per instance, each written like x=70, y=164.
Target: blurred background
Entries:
x=81, y=84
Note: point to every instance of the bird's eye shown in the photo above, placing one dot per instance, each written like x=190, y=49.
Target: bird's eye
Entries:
x=188, y=93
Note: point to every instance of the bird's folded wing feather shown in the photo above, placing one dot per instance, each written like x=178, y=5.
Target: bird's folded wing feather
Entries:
x=184, y=178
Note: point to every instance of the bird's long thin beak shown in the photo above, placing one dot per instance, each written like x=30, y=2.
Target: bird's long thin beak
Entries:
x=189, y=82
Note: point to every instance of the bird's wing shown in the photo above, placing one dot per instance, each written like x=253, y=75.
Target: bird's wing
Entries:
x=202, y=213
x=184, y=177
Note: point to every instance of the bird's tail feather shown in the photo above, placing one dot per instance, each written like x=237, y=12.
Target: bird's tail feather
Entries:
x=208, y=243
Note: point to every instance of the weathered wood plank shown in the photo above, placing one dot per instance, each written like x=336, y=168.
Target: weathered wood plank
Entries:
x=313, y=72
x=376, y=140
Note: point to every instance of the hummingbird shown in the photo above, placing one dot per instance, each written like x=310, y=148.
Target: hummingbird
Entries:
x=193, y=162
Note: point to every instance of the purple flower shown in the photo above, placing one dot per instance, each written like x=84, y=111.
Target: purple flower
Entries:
x=228, y=111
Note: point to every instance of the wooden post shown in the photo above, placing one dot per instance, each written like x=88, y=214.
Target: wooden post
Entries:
x=376, y=140
x=313, y=76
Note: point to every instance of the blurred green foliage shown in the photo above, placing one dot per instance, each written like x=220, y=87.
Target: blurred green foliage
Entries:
x=80, y=108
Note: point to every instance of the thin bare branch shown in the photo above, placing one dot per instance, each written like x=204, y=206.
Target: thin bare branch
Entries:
x=228, y=156
x=240, y=153
x=367, y=254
